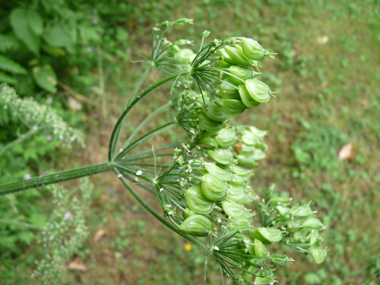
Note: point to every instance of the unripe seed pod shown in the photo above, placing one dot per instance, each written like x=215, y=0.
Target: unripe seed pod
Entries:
x=258, y=90
x=260, y=249
x=228, y=90
x=318, y=254
x=263, y=273
x=197, y=202
x=241, y=171
x=222, y=63
x=241, y=72
x=301, y=240
x=236, y=192
x=226, y=137
x=294, y=225
x=246, y=160
x=237, y=55
x=232, y=107
x=241, y=222
x=206, y=124
x=314, y=237
x=215, y=113
x=217, y=172
x=302, y=211
x=196, y=225
x=246, y=97
x=265, y=280
x=225, y=56
x=175, y=48
x=253, y=136
x=256, y=262
x=279, y=259
x=213, y=188
x=282, y=210
x=285, y=218
x=187, y=213
x=210, y=141
x=266, y=235
x=222, y=156
x=233, y=209
x=280, y=201
x=253, y=50
x=312, y=223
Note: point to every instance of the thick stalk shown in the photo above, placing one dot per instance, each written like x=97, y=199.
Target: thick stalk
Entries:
x=54, y=178
x=154, y=213
x=115, y=132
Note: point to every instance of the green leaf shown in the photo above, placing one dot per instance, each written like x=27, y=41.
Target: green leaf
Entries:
x=22, y=30
x=9, y=65
x=45, y=78
x=57, y=36
x=35, y=21
x=7, y=79
x=8, y=42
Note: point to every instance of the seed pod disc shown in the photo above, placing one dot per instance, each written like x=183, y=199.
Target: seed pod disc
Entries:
x=226, y=137
x=258, y=90
x=213, y=188
x=210, y=141
x=196, y=201
x=196, y=225
x=240, y=223
x=237, y=56
x=259, y=248
x=233, y=209
x=206, y=124
x=318, y=254
x=215, y=113
x=225, y=57
x=312, y=223
x=217, y=172
x=266, y=235
x=252, y=49
x=222, y=63
x=246, y=98
x=222, y=156
x=232, y=107
x=228, y=90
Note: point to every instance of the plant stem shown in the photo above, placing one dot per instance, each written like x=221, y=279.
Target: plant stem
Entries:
x=116, y=130
x=19, y=140
x=144, y=138
x=54, y=178
x=143, y=123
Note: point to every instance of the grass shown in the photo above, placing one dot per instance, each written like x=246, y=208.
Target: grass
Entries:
x=327, y=74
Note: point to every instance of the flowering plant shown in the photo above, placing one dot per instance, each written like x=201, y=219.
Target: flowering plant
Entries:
x=204, y=189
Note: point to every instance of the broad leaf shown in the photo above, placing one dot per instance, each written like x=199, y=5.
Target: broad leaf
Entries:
x=19, y=23
x=35, y=21
x=45, y=78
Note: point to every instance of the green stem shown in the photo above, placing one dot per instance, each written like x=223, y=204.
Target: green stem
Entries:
x=19, y=140
x=116, y=130
x=135, y=89
x=143, y=123
x=54, y=178
x=144, y=138
x=154, y=213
